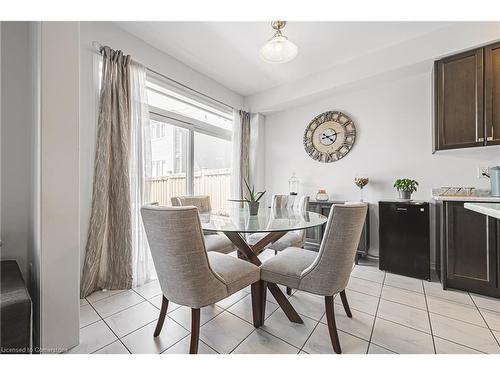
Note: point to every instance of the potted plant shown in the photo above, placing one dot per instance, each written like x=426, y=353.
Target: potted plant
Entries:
x=252, y=199
x=405, y=187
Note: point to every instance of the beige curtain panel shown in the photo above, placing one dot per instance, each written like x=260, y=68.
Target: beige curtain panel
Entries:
x=244, y=151
x=108, y=257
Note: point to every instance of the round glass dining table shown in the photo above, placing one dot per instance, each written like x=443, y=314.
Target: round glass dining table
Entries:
x=276, y=223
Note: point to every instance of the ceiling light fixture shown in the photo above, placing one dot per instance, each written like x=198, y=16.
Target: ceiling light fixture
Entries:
x=278, y=49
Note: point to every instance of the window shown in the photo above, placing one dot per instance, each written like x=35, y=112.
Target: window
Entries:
x=191, y=145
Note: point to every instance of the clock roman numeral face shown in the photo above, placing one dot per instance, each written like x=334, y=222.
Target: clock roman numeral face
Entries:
x=329, y=136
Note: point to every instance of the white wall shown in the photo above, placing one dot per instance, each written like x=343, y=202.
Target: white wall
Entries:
x=108, y=33
x=394, y=139
x=59, y=185
x=16, y=142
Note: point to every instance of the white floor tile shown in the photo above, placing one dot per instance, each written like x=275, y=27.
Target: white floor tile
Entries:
x=492, y=318
x=359, y=325
x=149, y=290
x=132, y=318
x=118, y=302
x=293, y=333
x=497, y=335
x=157, y=300
x=489, y=303
x=308, y=304
x=448, y=347
x=114, y=348
x=469, y=335
x=88, y=315
x=182, y=315
x=225, y=332
x=83, y=302
x=401, y=339
x=364, y=286
x=243, y=309
x=369, y=273
x=406, y=297
x=459, y=311
x=320, y=343
x=143, y=342
x=375, y=349
x=101, y=294
x=435, y=289
x=404, y=282
x=93, y=337
x=261, y=342
x=231, y=300
x=358, y=301
x=405, y=315
x=182, y=347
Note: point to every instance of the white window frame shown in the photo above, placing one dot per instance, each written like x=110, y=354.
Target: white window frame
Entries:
x=189, y=123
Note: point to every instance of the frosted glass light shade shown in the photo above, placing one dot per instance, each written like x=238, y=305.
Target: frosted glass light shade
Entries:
x=278, y=50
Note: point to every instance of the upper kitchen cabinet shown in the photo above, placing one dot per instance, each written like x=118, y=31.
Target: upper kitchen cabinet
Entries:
x=492, y=93
x=467, y=99
x=459, y=86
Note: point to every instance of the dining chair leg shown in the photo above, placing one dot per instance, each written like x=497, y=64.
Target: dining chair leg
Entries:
x=332, y=328
x=195, y=331
x=258, y=290
x=347, y=309
x=161, y=319
x=289, y=291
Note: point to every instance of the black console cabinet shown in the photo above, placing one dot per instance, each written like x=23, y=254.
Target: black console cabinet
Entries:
x=468, y=249
x=404, y=238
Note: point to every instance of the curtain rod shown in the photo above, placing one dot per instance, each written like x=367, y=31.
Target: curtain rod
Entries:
x=98, y=47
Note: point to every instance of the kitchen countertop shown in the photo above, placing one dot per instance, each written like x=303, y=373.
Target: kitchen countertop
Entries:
x=490, y=209
x=479, y=195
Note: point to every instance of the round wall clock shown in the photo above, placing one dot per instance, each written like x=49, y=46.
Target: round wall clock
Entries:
x=329, y=136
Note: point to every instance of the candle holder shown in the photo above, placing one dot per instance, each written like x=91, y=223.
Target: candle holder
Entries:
x=322, y=195
x=361, y=182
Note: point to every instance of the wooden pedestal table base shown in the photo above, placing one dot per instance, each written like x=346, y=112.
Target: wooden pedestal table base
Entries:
x=250, y=253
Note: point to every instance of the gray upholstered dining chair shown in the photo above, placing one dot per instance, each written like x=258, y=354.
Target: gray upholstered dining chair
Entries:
x=213, y=241
x=327, y=272
x=294, y=238
x=188, y=274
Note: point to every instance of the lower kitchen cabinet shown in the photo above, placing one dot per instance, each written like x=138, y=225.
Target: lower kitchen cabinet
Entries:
x=468, y=256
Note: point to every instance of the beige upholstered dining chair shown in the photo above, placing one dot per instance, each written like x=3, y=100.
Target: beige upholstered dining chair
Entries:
x=294, y=238
x=327, y=272
x=188, y=274
x=213, y=241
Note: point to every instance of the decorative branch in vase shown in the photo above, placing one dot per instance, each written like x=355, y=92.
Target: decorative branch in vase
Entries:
x=252, y=199
x=361, y=182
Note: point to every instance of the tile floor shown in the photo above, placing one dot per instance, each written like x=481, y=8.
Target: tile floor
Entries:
x=391, y=314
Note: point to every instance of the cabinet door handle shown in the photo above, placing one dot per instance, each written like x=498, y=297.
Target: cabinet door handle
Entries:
x=480, y=139
x=490, y=138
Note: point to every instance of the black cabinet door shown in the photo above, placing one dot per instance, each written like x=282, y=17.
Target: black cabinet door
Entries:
x=459, y=101
x=492, y=93
x=472, y=249
x=404, y=239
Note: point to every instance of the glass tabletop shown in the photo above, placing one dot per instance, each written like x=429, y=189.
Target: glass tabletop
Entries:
x=268, y=220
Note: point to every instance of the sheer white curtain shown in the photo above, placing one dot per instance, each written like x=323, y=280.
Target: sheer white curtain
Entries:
x=140, y=173
x=235, y=171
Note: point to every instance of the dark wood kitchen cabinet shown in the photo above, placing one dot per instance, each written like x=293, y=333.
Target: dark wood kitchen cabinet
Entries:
x=467, y=99
x=460, y=101
x=492, y=93
x=469, y=249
